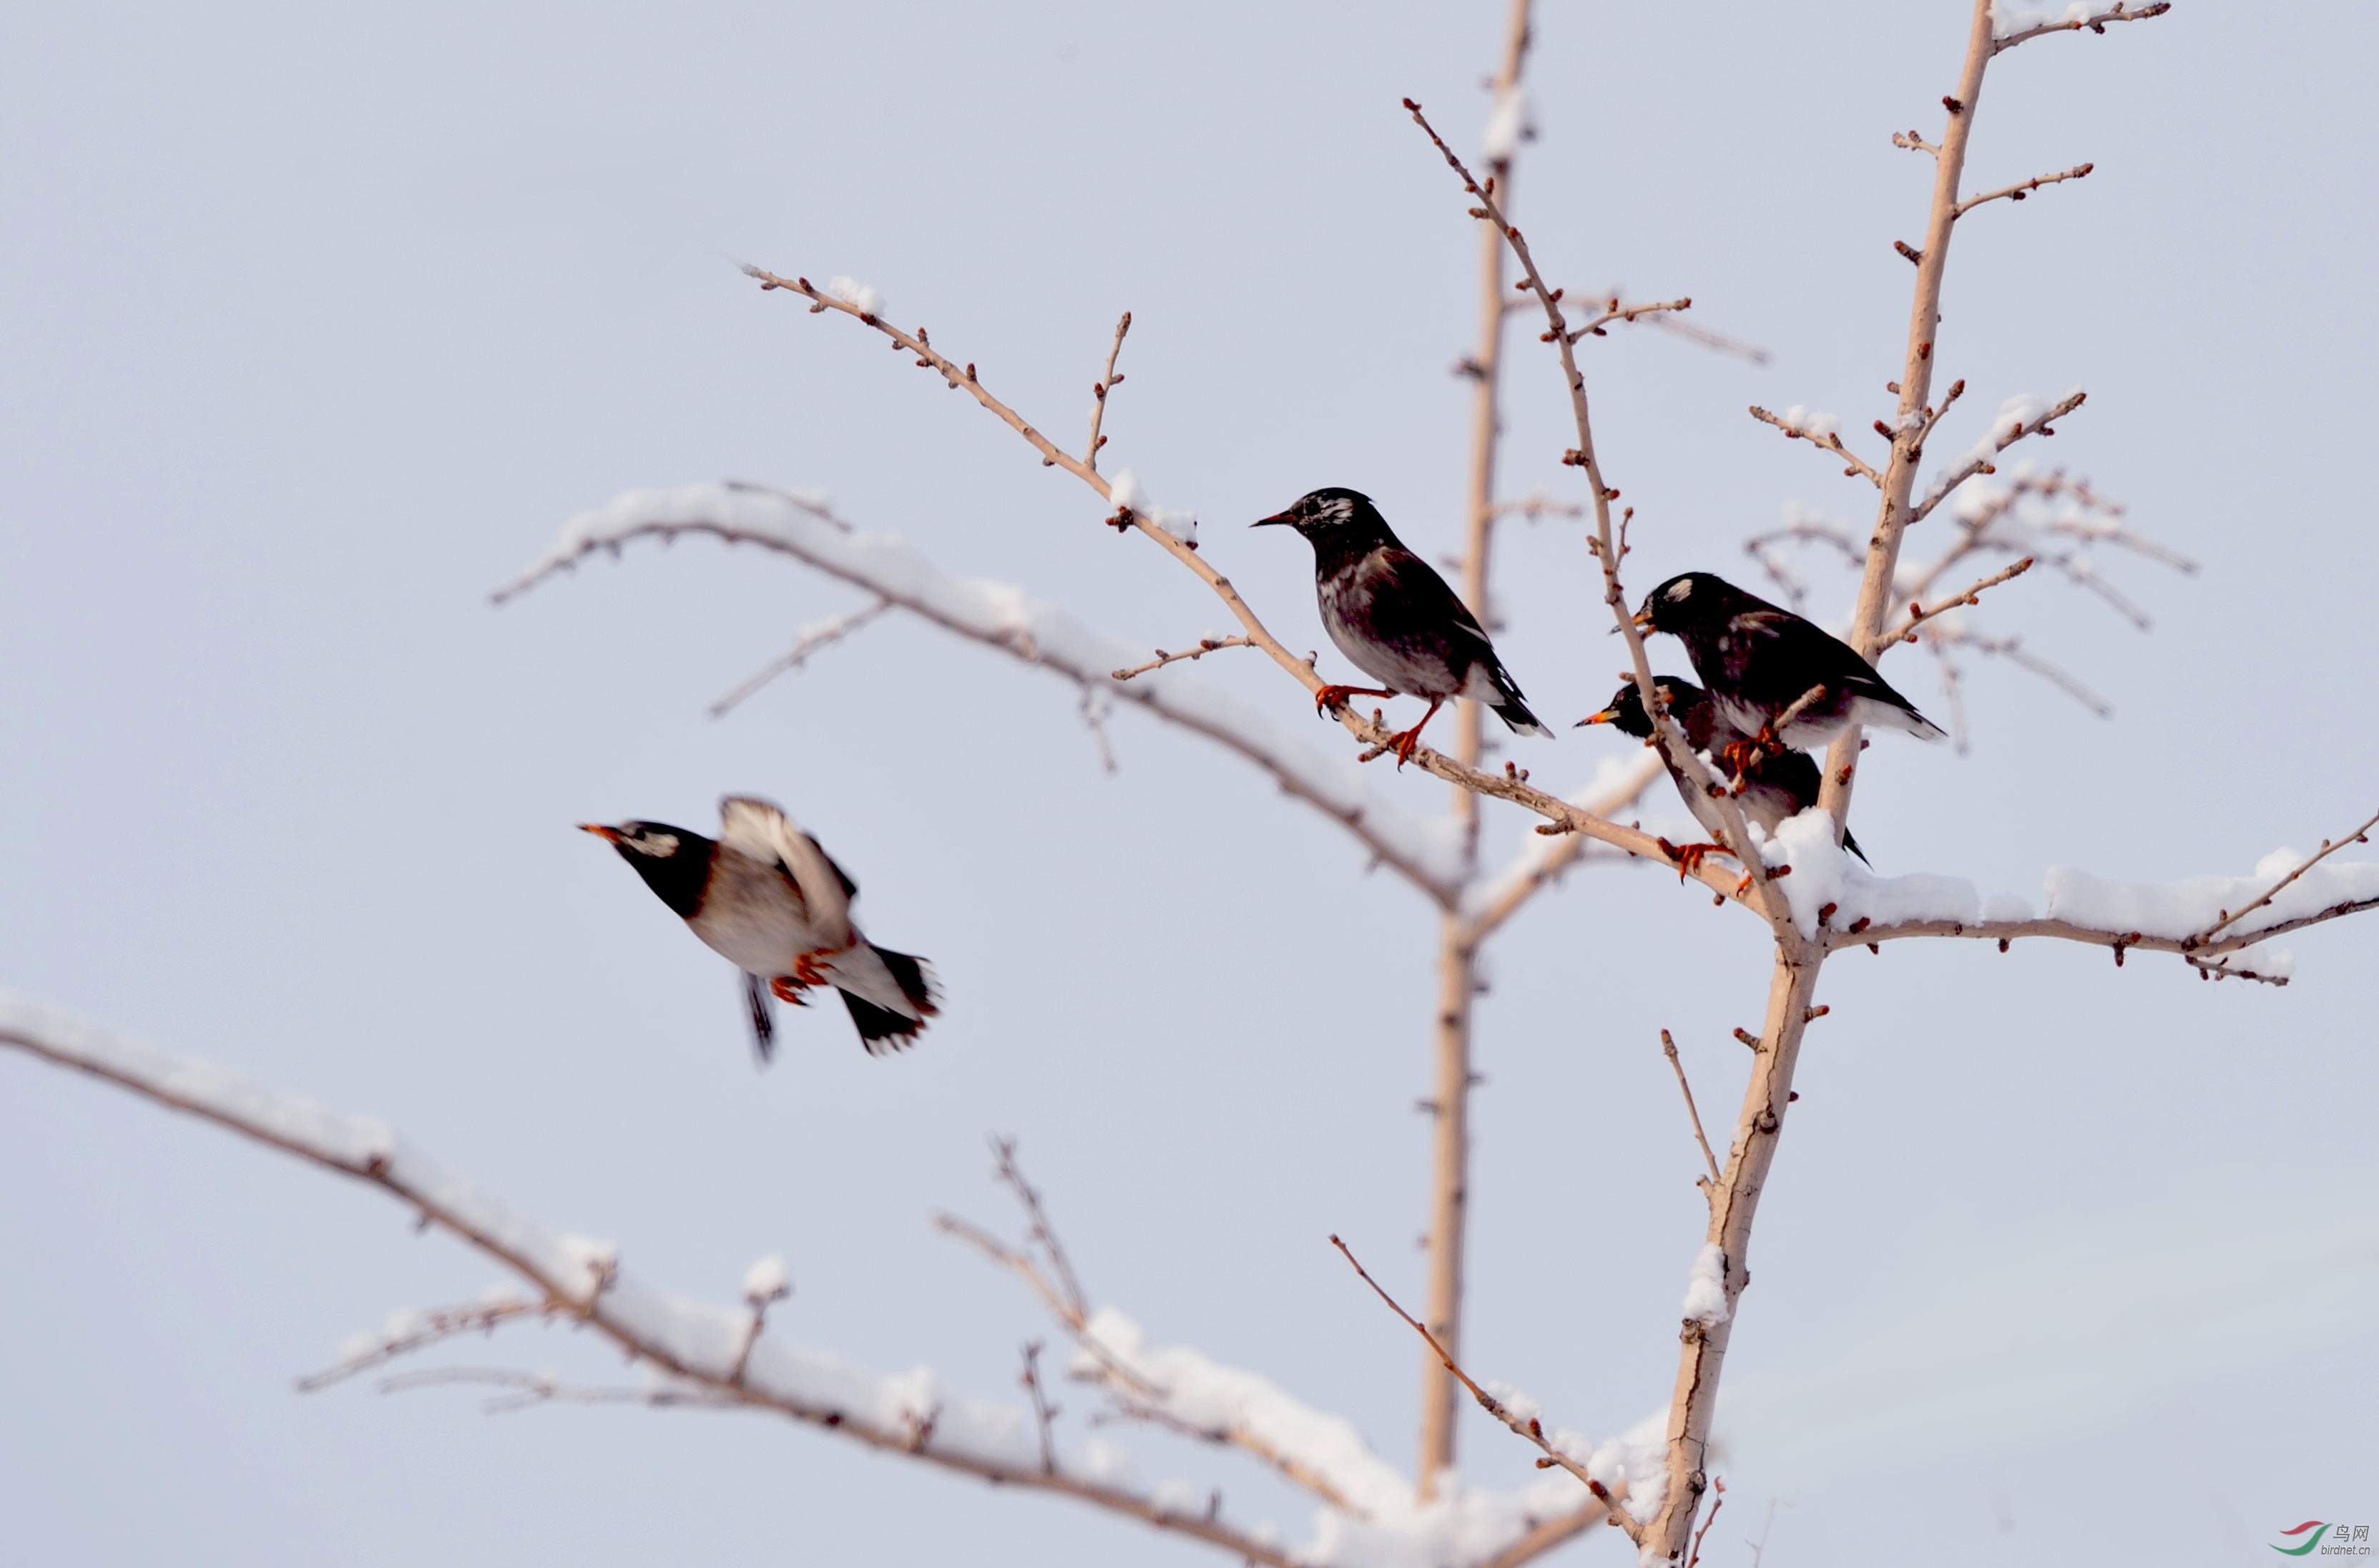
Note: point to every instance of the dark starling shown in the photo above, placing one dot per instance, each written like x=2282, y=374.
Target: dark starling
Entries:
x=1758, y=660
x=767, y=897
x=1390, y=612
x=1777, y=788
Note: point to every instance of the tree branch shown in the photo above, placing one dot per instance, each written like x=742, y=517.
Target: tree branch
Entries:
x=1001, y=616
x=1918, y=615
x=2021, y=189
x=1608, y=549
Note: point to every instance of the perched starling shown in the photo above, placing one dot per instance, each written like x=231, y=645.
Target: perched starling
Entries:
x=1777, y=789
x=767, y=897
x=1390, y=612
x=1758, y=660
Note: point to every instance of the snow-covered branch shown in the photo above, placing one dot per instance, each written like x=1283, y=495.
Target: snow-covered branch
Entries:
x=709, y=1356
x=2012, y=27
x=2218, y=923
x=1003, y=616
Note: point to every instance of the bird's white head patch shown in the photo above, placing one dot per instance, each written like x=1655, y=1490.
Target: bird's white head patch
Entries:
x=1680, y=590
x=661, y=846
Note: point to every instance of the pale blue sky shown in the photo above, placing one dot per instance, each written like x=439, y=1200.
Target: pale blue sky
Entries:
x=319, y=322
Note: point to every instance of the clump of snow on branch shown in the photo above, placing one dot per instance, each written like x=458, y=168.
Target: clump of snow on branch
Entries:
x=767, y=1280
x=1823, y=874
x=856, y=294
x=1706, y=1287
x=1129, y=494
x=1510, y=123
x=1802, y=421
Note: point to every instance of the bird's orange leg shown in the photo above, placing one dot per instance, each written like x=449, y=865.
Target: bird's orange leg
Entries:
x=805, y=966
x=1405, y=744
x=785, y=988
x=1689, y=856
x=1327, y=697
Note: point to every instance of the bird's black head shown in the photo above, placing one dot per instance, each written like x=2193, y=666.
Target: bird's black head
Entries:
x=674, y=863
x=1626, y=713
x=1691, y=599
x=1340, y=516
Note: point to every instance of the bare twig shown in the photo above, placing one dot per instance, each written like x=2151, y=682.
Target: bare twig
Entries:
x=1206, y=646
x=431, y=1328
x=1669, y=1048
x=2328, y=849
x=1718, y=1501
x=1597, y=325
x=1044, y=1414
x=807, y=642
x=2021, y=189
x=1531, y=1429
x=1825, y=440
x=1918, y=615
x=1109, y=381
x=2096, y=22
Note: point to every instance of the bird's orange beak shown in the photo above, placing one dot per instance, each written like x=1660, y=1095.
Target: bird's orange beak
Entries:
x=1643, y=618
x=1605, y=717
x=1282, y=518
x=609, y=835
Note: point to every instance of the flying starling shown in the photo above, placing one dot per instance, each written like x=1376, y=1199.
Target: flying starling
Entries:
x=1758, y=660
x=767, y=897
x=1777, y=789
x=1390, y=612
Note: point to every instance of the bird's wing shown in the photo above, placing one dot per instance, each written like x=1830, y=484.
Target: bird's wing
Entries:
x=1409, y=599
x=768, y=836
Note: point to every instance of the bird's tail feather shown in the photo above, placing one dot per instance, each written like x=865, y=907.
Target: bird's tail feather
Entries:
x=1516, y=713
x=890, y=996
x=764, y=1021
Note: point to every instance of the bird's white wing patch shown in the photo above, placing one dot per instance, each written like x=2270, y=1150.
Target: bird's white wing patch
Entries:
x=761, y=830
